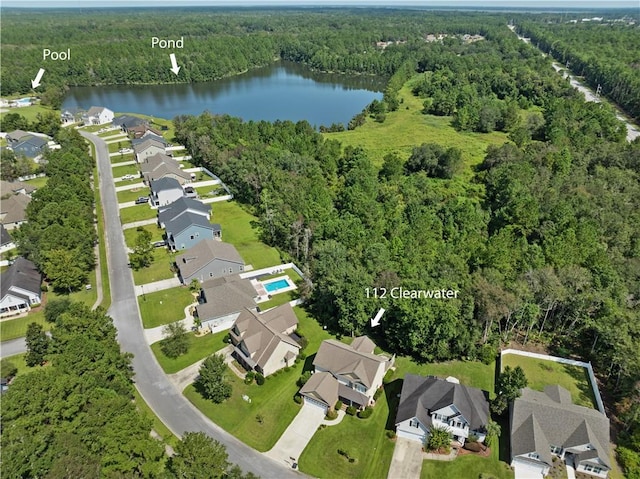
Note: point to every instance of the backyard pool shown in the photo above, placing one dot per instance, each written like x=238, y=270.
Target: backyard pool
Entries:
x=276, y=285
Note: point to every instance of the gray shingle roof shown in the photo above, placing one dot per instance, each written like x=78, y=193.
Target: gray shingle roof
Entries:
x=204, y=253
x=180, y=206
x=150, y=136
x=14, y=208
x=21, y=274
x=36, y=141
x=5, y=237
x=421, y=395
x=226, y=295
x=559, y=424
x=16, y=135
x=342, y=359
x=186, y=221
x=164, y=184
x=128, y=121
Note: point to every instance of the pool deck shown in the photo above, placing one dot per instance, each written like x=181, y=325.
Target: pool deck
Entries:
x=264, y=295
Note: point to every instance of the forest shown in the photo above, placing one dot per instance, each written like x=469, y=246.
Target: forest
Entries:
x=77, y=410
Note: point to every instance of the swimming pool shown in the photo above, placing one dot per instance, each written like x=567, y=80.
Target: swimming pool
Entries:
x=276, y=285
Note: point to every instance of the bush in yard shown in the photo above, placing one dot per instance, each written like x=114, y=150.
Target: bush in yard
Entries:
x=488, y=353
x=472, y=438
x=390, y=434
x=298, y=399
x=338, y=405
x=212, y=382
x=249, y=377
x=352, y=410
x=176, y=341
x=302, y=356
x=7, y=369
x=302, y=380
x=439, y=439
x=259, y=379
x=378, y=393
x=365, y=413
x=331, y=414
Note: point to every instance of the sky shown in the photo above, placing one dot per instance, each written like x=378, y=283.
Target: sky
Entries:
x=537, y=4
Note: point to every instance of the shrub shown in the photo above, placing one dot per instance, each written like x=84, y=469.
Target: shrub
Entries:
x=259, y=379
x=487, y=353
x=439, y=439
x=390, y=434
x=298, y=399
x=303, y=342
x=351, y=410
x=473, y=438
x=377, y=394
x=302, y=380
x=249, y=377
x=331, y=414
x=302, y=356
x=286, y=369
x=365, y=413
x=7, y=369
x=338, y=405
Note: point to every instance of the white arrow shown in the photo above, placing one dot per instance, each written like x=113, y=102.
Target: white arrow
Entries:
x=35, y=83
x=174, y=64
x=376, y=321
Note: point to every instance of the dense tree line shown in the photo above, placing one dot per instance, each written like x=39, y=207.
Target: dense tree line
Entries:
x=59, y=233
x=217, y=43
x=605, y=54
x=76, y=417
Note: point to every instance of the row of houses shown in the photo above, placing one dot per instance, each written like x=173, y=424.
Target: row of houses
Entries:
x=16, y=196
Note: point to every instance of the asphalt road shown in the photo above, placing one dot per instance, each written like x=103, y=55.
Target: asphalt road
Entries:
x=175, y=411
x=13, y=347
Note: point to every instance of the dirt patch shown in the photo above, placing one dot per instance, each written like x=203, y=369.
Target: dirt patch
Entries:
x=486, y=452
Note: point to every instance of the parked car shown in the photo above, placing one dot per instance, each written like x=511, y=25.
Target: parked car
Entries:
x=142, y=199
x=128, y=177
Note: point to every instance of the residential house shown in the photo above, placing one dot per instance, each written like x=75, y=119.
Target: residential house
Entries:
x=159, y=166
x=430, y=402
x=97, y=115
x=165, y=191
x=149, y=136
x=6, y=241
x=189, y=229
x=128, y=122
x=181, y=206
x=357, y=371
x=222, y=300
x=71, y=115
x=547, y=424
x=139, y=131
x=209, y=259
x=263, y=342
x=30, y=146
x=147, y=148
x=15, y=187
x=13, y=210
x=14, y=137
x=20, y=287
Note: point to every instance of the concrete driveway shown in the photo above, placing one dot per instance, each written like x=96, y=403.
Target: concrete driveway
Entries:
x=293, y=441
x=407, y=460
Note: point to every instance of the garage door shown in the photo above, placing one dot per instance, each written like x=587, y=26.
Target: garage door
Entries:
x=314, y=403
x=523, y=470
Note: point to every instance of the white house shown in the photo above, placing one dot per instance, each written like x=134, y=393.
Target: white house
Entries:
x=97, y=115
x=547, y=424
x=165, y=191
x=430, y=402
x=147, y=149
x=20, y=288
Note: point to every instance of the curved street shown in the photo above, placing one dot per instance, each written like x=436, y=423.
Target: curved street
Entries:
x=175, y=411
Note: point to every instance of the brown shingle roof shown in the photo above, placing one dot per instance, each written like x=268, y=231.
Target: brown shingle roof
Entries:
x=321, y=387
x=226, y=295
x=14, y=208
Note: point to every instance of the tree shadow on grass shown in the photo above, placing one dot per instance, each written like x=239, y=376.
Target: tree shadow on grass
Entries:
x=583, y=383
x=392, y=393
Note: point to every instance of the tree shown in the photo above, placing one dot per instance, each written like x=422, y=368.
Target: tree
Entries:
x=493, y=433
x=212, y=382
x=439, y=439
x=63, y=270
x=197, y=456
x=7, y=369
x=509, y=387
x=142, y=255
x=176, y=341
x=37, y=345
x=55, y=307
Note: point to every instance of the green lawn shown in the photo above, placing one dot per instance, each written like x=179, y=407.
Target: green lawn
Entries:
x=106, y=134
x=238, y=230
x=133, y=194
x=279, y=299
x=199, y=348
x=467, y=466
x=122, y=158
x=159, y=269
x=210, y=191
x=130, y=234
x=104, y=271
x=38, y=182
x=124, y=143
x=137, y=213
x=408, y=127
x=164, y=307
x=92, y=128
x=120, y=171
x=364, y=439
x=17, y=328
x=18, y=362
x=541, y=373
x=29, y=112
x=186, y=164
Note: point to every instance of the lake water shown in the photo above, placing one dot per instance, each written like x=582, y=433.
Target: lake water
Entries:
x=282, y=91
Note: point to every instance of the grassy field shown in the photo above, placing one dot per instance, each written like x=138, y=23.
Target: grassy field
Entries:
x=18, y=362
x=121, y=158
x=111, y=133
x=29, y=112
x=199, y=348
x=137, y=213
x=131, y=234
x=210, y=191
x=119, y=171
x=114, y=147
x=238, y=230
x=364, y=439
x=541, y=373
x=278, y=299
x=159, y=269
x=408, y=127
x=164, y=307
x=133, y=194
x=37, y=182
x=102, y=250
x=17, y=328
x=467, y=466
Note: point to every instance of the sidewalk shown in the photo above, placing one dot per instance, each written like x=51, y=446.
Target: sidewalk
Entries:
x=157, y=286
